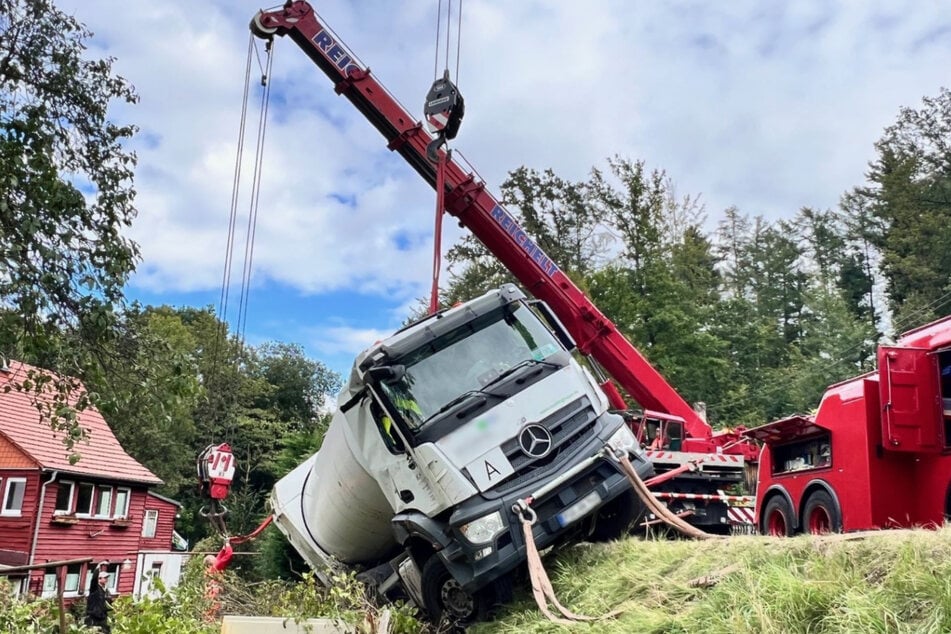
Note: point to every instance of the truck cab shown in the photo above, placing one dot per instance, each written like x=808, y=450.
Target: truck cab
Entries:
x=441, y=430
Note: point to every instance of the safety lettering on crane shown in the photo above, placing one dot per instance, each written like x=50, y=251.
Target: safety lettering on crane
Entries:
x=521, y=238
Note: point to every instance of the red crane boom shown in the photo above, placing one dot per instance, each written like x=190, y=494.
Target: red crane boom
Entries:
x=466, y=198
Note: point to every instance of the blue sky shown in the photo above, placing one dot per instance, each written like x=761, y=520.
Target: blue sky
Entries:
x=768, y=106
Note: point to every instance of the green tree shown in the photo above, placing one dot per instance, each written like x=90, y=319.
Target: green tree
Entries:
x=65, y=194
x=301, y=386
x=148, y=392
x=561, y=218
x=908, y=192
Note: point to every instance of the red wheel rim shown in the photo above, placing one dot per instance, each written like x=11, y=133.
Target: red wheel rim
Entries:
x=776, y=524
x=819, y=521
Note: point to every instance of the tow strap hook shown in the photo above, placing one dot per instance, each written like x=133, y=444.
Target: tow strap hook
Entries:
x=611, y=453
x=524, y=512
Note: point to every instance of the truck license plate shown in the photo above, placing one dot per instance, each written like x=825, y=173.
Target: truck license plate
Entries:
x=579, y=509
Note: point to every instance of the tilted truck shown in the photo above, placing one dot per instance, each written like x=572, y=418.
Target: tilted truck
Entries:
x=441, y=430
x=877, y=452
x=702, y=463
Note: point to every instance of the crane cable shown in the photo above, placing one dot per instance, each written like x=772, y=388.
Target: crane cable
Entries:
x=441, y=160
x=217, y=510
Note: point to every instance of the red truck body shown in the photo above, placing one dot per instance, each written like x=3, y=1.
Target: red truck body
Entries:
x=877, y=452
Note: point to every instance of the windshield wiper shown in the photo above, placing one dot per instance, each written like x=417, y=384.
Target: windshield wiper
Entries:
x=519, y=366
x=461, y=398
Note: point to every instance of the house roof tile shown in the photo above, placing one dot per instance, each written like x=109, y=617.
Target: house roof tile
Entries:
x=101, y=456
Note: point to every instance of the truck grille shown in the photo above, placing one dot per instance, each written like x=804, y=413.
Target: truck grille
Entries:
x=568, y=426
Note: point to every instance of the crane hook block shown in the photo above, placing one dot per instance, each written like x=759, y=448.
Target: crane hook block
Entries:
x=444, y=108
x=216, y=468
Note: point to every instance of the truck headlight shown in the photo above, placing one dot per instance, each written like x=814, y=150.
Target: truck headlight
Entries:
x=623, y=440
x=484, y=529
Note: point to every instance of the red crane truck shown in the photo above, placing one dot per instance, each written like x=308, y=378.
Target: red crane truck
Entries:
x=702, y=463
x=877, y=452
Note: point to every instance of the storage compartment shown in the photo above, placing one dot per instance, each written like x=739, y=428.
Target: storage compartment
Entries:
x=809, y=453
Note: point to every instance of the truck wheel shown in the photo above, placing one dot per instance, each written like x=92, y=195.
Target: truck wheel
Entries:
x=614, y=519
x=445, y=598
x=821, y=514
x=777, y=519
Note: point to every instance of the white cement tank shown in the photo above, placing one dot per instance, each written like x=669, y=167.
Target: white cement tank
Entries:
x=344, y=509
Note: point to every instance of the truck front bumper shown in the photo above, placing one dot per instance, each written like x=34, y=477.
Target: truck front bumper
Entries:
x=560, y=511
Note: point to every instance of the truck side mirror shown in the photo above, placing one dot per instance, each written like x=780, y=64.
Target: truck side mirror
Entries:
x=387, y=373
x=557, y=328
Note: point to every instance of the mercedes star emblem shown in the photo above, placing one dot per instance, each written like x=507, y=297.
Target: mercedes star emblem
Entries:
x=535, y=441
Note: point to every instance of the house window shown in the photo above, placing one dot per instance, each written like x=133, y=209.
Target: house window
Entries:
x=113, y=584
x=49, y=582
x=122, y=504
x=13, y=496
x=64, y=498
x=112, y=570
x=149, y=523
x=84, y=498
x=104, y=502
x=72, y=579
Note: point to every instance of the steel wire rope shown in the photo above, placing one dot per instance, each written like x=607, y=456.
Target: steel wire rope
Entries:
x=448, y=29
x=458, y=41
x=232, y=223
x=438, y=33
x=779, y=387
x=442, y=161
x=241, y=319
x=254, y=204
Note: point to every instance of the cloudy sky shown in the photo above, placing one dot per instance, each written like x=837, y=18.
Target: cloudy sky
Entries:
x=766, y=105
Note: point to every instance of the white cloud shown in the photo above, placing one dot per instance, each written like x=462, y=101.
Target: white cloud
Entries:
x=762, y=105
x=344, y=339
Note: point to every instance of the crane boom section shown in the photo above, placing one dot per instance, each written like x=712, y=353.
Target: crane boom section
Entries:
x=466, y=198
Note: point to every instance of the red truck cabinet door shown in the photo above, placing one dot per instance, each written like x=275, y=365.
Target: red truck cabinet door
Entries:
x=911, y=405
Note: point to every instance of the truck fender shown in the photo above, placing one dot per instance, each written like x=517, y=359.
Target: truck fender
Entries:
x=778, y=489
x=814, y=485
x=819, y=483
x=411, y=524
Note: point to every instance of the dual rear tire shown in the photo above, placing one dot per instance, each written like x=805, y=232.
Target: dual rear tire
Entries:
x=820, y=515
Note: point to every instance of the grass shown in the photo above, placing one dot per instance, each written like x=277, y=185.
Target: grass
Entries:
x=891, y=581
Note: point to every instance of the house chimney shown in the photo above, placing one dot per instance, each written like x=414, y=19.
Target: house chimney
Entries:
x=4, y=366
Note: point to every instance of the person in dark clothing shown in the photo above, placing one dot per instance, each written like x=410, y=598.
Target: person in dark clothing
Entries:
x=98, y=602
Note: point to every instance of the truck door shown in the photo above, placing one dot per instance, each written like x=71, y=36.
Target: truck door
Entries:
x=911, y=410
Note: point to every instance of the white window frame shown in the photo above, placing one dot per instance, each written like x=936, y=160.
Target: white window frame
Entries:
x=69, y=500
x=77, y=578
x=112, y=586
x=13, y=512
x=88, y=511
x=150, y=521
x=103, y=491
x=122, y=513
x=49, y=583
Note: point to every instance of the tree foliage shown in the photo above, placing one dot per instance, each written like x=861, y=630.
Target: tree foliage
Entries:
x=66, y=197
x=754, y=319
x=65, y=179
x=908, y=203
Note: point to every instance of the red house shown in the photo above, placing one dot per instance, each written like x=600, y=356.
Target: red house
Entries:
x=100, y=507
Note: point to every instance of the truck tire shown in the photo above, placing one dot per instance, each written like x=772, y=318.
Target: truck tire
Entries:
x=821, y=514
x=445, y=599
x=777, y=519
x=614, y=519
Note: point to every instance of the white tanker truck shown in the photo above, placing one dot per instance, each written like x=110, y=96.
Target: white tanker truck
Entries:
x=442, y=429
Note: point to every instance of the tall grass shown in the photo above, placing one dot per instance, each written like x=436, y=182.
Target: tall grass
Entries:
x=892, y=581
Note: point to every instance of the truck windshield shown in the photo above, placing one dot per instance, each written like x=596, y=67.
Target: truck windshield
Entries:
x=466, y=360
